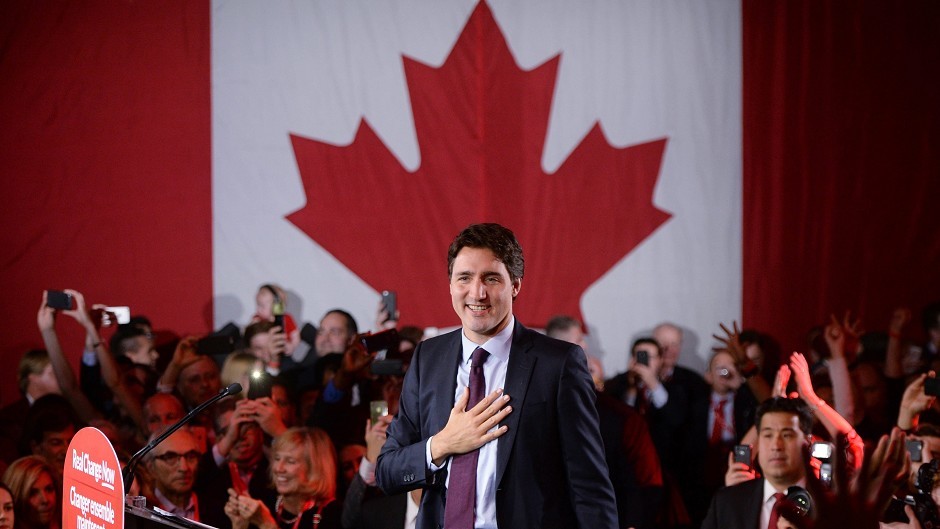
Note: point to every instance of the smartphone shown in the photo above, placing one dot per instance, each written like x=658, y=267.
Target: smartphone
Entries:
x=643, y=357
x=742, y=454
x=122, y=315
x=390, y=300
x=931, y=386
x=380, y=341
x=821, y=451
x=378, y=408
x=915, y=448
x=56, y=299
x=825, y=474
x=215, y=345
x=259, y=385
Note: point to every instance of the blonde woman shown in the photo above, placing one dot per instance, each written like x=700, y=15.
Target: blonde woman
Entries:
x=35, y=491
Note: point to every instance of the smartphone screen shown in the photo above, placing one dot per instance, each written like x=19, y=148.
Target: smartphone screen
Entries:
x=259, y=385
x=378, y=408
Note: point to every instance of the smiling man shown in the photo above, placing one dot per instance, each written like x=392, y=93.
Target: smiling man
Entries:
x=497, y=422
x=783, y=427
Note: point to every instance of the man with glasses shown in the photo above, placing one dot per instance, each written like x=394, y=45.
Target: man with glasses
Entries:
x=173, y=464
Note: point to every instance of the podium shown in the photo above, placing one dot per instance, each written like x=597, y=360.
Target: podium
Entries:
x=143, y=518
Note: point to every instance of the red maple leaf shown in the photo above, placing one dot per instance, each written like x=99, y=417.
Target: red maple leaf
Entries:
x=481, y=124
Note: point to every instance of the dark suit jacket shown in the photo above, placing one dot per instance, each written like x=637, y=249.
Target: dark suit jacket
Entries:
x=550, y=469
x=736, y=507
x=367, y=508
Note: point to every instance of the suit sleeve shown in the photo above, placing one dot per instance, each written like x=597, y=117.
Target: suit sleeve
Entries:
x=402, y=464
x=592, y=494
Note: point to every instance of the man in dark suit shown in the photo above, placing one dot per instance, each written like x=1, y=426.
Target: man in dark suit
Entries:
x=534, y=450
x=784, y=426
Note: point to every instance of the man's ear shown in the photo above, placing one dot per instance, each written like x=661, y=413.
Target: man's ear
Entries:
x=516, y=287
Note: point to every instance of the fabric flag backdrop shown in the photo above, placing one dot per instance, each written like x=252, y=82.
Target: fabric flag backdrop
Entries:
x=174, y=158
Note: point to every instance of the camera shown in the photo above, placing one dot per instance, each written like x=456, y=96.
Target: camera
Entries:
x=643, y=357
x=742, y=454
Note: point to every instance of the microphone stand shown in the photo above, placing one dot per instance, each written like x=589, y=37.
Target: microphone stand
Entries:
x=128, y=474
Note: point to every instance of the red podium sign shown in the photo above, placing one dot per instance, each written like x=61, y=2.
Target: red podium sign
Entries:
x=92, y=488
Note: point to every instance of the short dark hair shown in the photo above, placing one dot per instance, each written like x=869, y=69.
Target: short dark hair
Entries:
x=651, y=341
x=498, y=239
x=351, y=326
x=256, y=328
x=125, y=339
x=785, y=405
x=560, y=323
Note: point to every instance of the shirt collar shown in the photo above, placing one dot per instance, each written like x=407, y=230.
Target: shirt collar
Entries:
x=497, y=346
x=769, y=489
x=171, y=507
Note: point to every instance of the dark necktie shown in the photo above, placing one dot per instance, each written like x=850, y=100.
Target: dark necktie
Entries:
x=462, y=488
x=775, y=510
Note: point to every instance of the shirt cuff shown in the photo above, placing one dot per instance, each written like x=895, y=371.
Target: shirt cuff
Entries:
x=367, y=472
x=89, y=358
x=659, y=396
x=427, y=454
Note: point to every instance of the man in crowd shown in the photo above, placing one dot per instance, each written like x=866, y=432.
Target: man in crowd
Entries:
x=783, y=427
x=173, y=465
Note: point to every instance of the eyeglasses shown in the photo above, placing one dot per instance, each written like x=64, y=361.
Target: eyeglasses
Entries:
x=173, y=458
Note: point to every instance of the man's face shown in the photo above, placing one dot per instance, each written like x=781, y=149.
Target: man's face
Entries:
x=780, y=448
x=670, y=339
x=284, y=404
x=259, y=346
x=143, y=352
x=333, y=336
x=162, y=411
x=54, y=446
x=248, y=449
x=722, y=375
x=482, y=293
x=199, y=381
x=43, y=383
x=174, y=464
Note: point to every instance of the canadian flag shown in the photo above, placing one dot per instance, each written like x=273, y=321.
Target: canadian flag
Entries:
x=174, y=157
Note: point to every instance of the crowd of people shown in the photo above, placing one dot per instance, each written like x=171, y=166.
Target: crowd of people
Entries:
x=853, y=420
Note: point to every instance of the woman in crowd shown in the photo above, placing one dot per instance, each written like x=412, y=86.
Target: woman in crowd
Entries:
x=6, y=508
x=303, y=469
x=34, y=489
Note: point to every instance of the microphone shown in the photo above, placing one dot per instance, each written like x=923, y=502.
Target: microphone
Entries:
x=128, y=474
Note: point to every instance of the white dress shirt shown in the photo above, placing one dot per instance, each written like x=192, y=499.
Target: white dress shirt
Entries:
x=494, y=371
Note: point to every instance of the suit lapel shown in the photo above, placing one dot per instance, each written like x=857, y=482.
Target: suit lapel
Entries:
x=518, y=373
x=444, y=387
